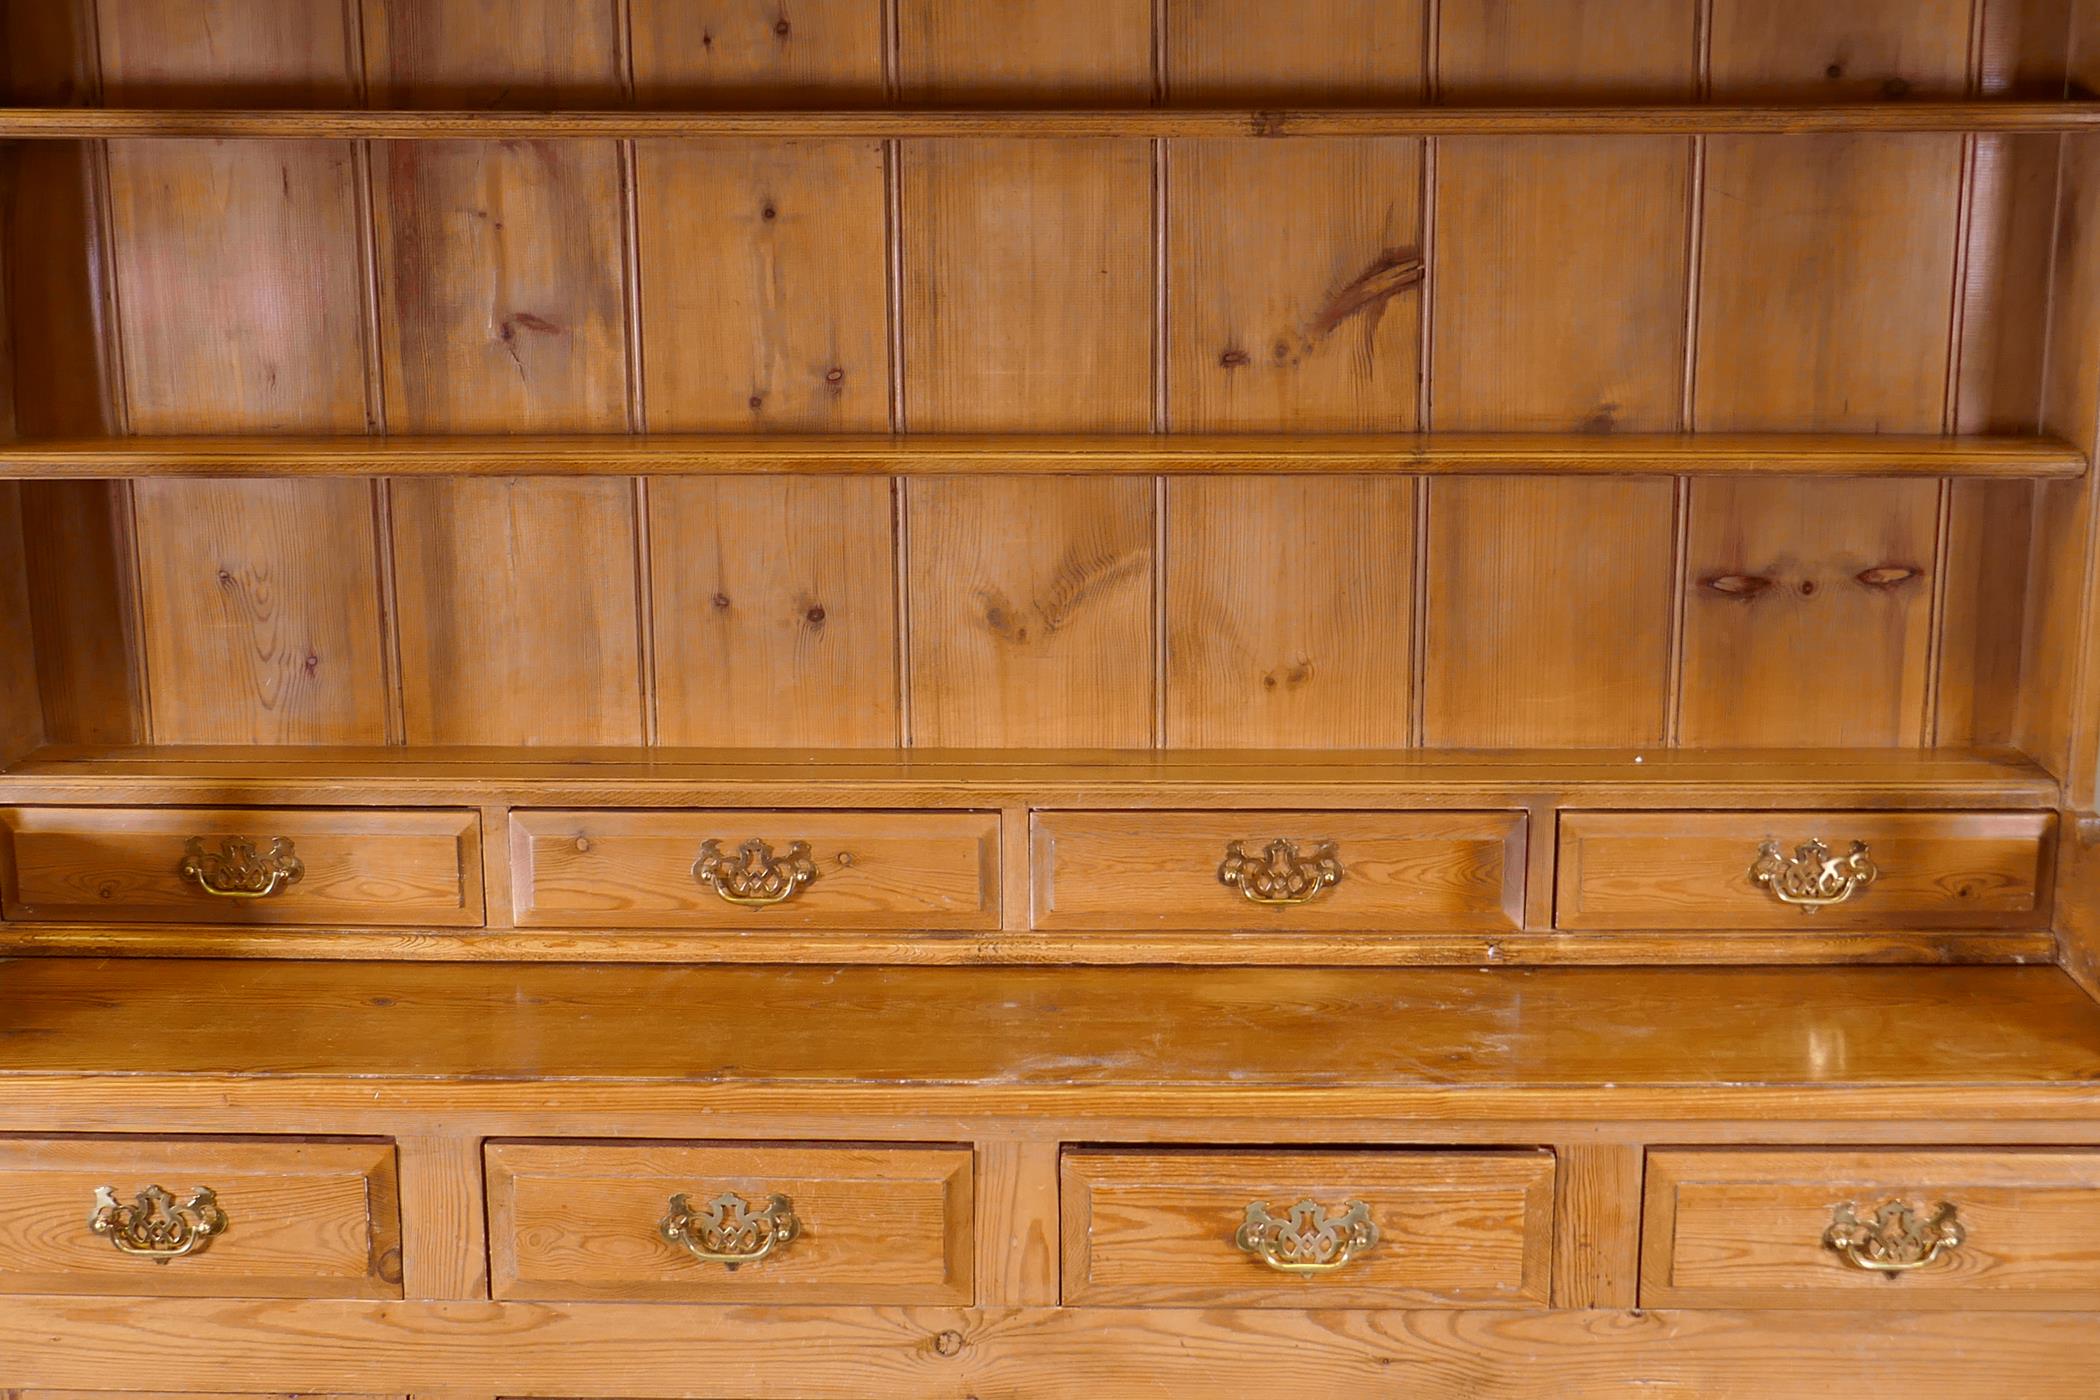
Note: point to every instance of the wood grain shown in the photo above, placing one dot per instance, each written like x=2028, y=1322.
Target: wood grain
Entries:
x=304, y=1219
x=519, y=611
x=260, y=612
x=1521, y=594
x=1808, y=612
x=263, y=53
x=1031, y=612
x=442, y=1198
x=878, y=1224
x=492, y=54
x=21, y=708
x=1596, y=1217
x=1148, y=1228
x=1691, y=869
x=749, y=54
x=775, y=611
x=1025, y=53
x=1745, y=1228
x=1027, y=285
x=874, y=870
x=1289, y=613
x=1294, y=285
x=1402, y=871
x=1017, y=1230
x=784, y=323
x=1345, y=52
x=361, y=866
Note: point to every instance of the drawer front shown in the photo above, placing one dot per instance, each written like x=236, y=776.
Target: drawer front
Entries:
x=1174, y=1228
x=241, y=1218
x=751, y=1224
x=845, y=870
x=276, y=866
x=1392, y=871
x=1694, y=870
x=1752, y=1228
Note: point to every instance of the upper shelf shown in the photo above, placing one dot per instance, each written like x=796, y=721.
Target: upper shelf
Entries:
x=33, y=123
x=1576, y=454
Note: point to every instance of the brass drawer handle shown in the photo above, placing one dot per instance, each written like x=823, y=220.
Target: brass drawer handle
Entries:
x=153, y=1226
x=237, y=870
x=1280, y=875
x=1813, y=878
x=754, y=875
x=727, y=1231
x=1310, y=1239
x=1897, y=1240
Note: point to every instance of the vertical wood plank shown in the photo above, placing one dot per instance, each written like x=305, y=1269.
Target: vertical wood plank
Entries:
x=776, y=620
x=1028, y=285
x=1597, y=1225
x=524, y=54
x=745, y=54
x=21, y=710
x=444, y=1242
x=782, y=321
x=1259, y=54
x=1031, y=617
x=1989, y=523
x=1294, y=285
x=1808, y=612
x=1075, y=53
x=1017, y=1224
x=224, y=53
x=78, y=540
x=260, y=606
x=1827, y=276
x=1547, y=618
x=1289, y=612
x=518, y=611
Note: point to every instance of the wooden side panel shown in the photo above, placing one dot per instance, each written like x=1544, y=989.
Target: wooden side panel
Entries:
x=1289, y=612
x=1827, y=282
x=1808, y=612
x=1031, y=612
x=764, y=293
x=260, y=610
x=21, y=710
x=1988, y=528
x=1294, y=285
x=776, y=611
x=519, y=611
x=754, y=54
x=1045, y=53
x=1547, y=620
x=1254, y=53
x=1028, y=285
x=1560, y=282
x=77, y=540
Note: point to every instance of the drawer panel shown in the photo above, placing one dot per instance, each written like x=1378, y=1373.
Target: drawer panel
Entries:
x=297, y=1219
x=354, y=866
x=1693, y=870
x=1747, y=1227
x=1170, y=1228
x=1398, y=871
x=868, y=1224
x=867, y=870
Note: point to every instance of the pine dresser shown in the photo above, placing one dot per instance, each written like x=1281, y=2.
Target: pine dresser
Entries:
x=1049, y=699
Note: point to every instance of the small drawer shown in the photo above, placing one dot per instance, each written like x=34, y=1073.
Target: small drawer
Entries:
x=1375, y=871
x=745, y=869
x=1756, y=1227
x=199, y=1217
x=263, y=865
x=1806, y=871
x=730, y=1223
x=1291, y=1229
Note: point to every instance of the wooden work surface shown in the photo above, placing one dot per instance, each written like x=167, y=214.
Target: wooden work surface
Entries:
x=1021, y=1030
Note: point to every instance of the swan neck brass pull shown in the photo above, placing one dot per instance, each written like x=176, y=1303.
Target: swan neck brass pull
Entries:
x=727, y=1231
x=1898, y=1239
x=1813, y=878
x=237, y=870
x=754, y=875
x=1281, y=875
x=1309, y=1238
x=154, y=1226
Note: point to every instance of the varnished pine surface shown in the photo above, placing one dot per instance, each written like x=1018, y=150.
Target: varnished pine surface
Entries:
x=1024, y=1029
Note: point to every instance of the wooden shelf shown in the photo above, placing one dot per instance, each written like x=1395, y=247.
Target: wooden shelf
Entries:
x=1577, y=454
x=64, y=123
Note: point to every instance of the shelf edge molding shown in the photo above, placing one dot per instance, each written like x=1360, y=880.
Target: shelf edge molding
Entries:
x=74, y=123
x=1570, y=454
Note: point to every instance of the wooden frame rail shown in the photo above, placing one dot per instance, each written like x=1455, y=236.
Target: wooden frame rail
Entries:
x=61, y=123
x=1577, y=454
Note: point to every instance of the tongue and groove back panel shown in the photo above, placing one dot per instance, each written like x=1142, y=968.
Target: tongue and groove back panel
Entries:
x=1871, y=282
